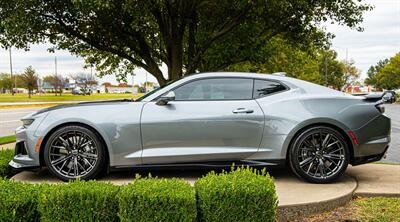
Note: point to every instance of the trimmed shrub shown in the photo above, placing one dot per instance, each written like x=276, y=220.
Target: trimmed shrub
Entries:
x=79, y=201
x=153, y=199
x=18, y=201
x=6, y=155
x=244, y=194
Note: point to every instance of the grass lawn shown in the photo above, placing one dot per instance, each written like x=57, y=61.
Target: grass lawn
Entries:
x=362, y=209
x=7, y=139
x=21, y=97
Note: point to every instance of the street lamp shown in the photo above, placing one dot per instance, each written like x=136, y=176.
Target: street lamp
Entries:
x=133, y=83
x=11, y=72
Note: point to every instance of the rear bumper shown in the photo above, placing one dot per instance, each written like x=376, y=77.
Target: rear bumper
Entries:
x=373, y=140
x=369, y=159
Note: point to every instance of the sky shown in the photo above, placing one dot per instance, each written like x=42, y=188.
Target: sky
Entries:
x=380, y=40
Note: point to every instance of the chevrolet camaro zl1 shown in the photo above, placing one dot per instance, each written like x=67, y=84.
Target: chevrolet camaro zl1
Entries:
x=209, y=120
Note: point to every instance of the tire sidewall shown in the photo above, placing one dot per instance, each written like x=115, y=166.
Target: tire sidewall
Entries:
x=100, y=149
x=294, y=163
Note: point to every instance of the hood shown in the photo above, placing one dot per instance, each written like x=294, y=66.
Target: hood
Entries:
x=92, y=103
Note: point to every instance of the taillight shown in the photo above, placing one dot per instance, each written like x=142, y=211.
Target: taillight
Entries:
x=353, y=137
x=380, y=107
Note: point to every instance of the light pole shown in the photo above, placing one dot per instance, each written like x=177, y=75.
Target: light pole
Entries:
x=55, y=66
x=11, y=72
x=133, y=83
x=145, y=85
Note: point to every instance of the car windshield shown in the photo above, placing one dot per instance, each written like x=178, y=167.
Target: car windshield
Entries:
x=154, y=91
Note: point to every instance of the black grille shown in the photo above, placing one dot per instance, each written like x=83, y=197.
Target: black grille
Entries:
x=20, y=148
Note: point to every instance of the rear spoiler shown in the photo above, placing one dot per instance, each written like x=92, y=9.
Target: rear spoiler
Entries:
x=373, y=97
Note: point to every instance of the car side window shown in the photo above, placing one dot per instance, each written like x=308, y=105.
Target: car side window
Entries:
x=265, y=87
x=215, y=89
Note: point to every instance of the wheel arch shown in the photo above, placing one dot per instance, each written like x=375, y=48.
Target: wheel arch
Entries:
x=341, y=130
x=52, y=130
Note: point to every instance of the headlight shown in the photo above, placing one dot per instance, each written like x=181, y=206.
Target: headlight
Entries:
x=27, y=122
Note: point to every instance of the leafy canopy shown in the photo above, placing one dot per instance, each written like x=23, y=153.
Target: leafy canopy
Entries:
x=188, y=36
x=312, y=64
x=387, y=74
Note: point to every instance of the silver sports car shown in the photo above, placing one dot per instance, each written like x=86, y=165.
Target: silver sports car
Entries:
x=209, y=120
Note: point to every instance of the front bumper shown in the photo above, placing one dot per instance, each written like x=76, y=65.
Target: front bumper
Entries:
x=373, y=140
x=25, y=155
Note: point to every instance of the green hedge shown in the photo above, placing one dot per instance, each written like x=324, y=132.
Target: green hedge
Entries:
x=244, y=194
x=79, y=201
x=241, y=195
x=6, y=155
x=18, y=201
x=157, y=200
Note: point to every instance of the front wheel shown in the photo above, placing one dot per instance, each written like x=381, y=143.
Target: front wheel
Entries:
x=319, y=155
x=73, y=152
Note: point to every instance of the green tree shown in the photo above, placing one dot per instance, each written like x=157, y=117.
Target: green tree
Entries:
x=373, y=70
x=29, y=79
x=310, y=63
x=187, y=36
x=6, y=82
x=388, y=77
x=283, y=56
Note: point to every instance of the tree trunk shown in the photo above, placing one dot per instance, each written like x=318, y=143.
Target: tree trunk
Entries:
x=29, y=93
x=175, y=51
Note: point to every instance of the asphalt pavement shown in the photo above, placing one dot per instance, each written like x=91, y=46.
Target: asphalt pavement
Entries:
x=10, y=120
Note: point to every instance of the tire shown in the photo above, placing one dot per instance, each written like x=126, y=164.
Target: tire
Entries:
x=73, y=152
x=318, y=158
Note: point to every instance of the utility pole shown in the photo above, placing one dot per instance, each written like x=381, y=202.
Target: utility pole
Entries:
x=145, y=85
x=326, y=70
x=55, y=66
x=11, y=72
x=133, y=83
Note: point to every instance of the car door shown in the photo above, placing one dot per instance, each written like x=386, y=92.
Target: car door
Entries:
x=212, y=119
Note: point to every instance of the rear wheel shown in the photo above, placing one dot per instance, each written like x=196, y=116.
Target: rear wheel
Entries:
x=73, y=152
x=319, y=154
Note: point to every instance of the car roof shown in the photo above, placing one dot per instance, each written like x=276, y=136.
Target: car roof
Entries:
x=304, y=86
x=236, y=74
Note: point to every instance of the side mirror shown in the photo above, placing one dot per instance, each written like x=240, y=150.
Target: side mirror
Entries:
x=387, y=98
x=164, y=99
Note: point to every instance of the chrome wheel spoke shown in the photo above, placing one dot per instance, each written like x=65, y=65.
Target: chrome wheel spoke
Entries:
x=60, y=160
x=321, y=168
x=76, y=170
x=326, y=140
x=333, y=156
x=308, y=160
x=88, y=155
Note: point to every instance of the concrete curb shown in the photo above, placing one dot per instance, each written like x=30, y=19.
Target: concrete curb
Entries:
x=293, y=211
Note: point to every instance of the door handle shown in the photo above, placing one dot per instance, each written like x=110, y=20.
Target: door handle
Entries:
x=242, y=110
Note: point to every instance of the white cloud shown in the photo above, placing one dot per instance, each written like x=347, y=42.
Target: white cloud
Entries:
x=380, y=39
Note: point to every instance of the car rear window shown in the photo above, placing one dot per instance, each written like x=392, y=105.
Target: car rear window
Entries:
x=265, y=87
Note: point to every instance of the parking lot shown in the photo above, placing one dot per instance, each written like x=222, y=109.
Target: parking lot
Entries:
x=10, y=119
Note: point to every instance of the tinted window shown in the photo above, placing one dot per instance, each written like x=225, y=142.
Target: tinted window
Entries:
x=264, y=87
x=215, y=89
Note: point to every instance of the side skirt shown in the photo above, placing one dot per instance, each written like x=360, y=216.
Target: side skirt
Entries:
x=279, y=163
